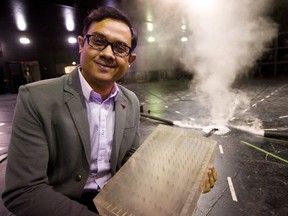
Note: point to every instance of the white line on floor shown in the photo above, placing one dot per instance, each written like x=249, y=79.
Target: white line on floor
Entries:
x=221, y=149
x=233, y=194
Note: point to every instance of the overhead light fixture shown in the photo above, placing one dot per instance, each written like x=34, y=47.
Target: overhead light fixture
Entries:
x=149, y=15
x=18, y=10
x=150, y=26
x=72, y=40
x=183, y=27
x=20, y=21
x=69, y=21
x=184, y=39
x=151, y=39
x=24, y=40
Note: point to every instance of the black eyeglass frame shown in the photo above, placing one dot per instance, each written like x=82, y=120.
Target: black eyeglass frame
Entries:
x=88, y=36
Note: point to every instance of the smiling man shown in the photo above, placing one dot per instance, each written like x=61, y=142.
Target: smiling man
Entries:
x=71, y=134
x=106, y=55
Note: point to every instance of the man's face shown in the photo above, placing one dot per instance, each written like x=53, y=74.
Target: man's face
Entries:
x=103, y=68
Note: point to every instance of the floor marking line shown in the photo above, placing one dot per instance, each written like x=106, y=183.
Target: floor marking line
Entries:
x=266, y=152
x=221, y=149
x=232, y=191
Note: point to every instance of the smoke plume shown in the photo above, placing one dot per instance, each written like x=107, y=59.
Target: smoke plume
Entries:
x=225, y=39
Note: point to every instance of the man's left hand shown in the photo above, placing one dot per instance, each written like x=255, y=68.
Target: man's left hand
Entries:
x=210, y=180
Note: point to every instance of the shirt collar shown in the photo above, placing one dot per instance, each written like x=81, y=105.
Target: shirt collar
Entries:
x=87, y=90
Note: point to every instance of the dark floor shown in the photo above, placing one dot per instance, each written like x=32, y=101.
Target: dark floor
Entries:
x=260, y=180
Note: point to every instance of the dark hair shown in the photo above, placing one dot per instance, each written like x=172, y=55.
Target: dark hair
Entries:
x=102, y=13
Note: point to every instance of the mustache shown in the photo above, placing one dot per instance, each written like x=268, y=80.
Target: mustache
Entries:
x=108, y=62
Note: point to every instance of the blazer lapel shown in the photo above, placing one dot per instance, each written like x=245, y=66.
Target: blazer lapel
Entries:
x=75, y=102
x=120, y=116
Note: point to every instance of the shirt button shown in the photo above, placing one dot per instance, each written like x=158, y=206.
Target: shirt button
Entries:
x=78, y=178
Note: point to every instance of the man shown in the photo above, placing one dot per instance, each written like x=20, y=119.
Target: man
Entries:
x=71, y=134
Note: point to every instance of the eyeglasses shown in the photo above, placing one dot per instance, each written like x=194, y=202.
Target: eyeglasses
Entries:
x=100, y=43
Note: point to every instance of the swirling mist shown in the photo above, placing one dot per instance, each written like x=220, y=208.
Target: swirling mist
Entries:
x=225, y=39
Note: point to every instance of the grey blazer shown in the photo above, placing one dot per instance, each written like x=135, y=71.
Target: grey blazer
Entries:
x=49, y=154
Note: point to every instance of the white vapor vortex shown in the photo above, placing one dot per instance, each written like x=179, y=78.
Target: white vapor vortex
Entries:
x=224, y=40
x=227, y=39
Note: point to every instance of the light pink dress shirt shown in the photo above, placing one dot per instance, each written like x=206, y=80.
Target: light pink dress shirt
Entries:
x=101, y=117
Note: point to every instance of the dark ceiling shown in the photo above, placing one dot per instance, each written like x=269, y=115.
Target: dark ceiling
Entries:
x=46, y=17
x=83, y=4
x=46, y=25
x=48, y=32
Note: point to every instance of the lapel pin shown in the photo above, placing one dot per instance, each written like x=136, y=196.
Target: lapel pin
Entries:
x=123, y=105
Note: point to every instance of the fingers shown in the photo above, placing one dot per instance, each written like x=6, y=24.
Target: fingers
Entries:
x=214, y=173
x=210, y=180
x=206, y=187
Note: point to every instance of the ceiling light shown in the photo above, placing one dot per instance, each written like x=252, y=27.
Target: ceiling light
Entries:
x=184, y=39
x=150, y=27
x=18, y=11
x=20, y=21
x=24, y=40
x=151, y=39
x=69, y=21
x=72, y=40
